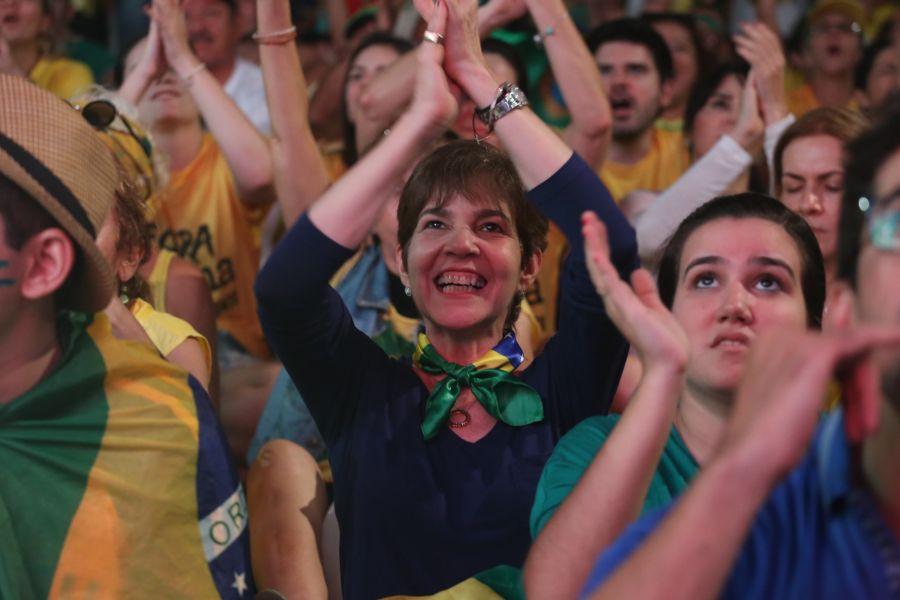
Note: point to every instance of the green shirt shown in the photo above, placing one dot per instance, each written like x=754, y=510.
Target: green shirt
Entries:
x=576, y=450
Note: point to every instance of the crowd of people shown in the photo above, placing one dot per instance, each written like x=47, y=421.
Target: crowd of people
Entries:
x=450, y=299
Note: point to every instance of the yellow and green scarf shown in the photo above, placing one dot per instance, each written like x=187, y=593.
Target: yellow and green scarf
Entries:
x=504, y=396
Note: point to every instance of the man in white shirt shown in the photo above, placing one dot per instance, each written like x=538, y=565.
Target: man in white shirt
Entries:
x=213, y=32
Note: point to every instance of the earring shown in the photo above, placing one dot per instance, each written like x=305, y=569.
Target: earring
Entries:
x=407, y=291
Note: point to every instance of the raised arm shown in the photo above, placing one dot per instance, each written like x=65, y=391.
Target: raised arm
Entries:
x=707, y=178
x=346, y=212
x=533, y=147
x=389, y=91
x=578, y=77
x=150, y=65
x=776, y=411
x=245, y=150
x=300, y=173
x=759, y=45
x=611, y=491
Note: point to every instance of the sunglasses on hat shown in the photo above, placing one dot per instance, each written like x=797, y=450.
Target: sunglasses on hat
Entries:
x=101, y=114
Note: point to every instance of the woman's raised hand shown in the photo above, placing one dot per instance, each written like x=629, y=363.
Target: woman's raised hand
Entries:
x=760, y=46
x=749, y=129
x=636, y=310
x=432, y=100
x=463, y=51
x=169, y=18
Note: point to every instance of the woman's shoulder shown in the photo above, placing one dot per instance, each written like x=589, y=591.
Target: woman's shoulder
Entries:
x=589, y=435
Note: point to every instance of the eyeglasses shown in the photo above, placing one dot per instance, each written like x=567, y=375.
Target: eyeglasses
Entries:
x=101, y=114
x=883, y=222
x=850, y=27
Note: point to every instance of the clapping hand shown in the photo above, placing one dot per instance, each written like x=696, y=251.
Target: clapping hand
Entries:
x=432, y=100
x=169, y=18
x=636, y=310
x=784, y=385
x=759, y=46
x=749, y=129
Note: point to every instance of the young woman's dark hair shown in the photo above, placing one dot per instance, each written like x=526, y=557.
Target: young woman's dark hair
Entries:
x=707, y=86
x=750, y=205
x=867, y=61
x=634, y=31
x=349, y=153
x=865, y=156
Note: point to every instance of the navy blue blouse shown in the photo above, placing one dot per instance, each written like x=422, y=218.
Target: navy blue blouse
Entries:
x=419, y=516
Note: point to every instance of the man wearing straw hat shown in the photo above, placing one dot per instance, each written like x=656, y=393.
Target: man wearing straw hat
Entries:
x=116, y=480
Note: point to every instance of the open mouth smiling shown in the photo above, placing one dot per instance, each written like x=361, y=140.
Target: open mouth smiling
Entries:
x=459, y=282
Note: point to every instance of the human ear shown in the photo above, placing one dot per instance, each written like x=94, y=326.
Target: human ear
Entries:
x=49, y=259
x=530, y=269
x=129, y=266
x=401, y=267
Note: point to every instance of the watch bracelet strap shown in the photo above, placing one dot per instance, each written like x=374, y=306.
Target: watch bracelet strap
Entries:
x=490, y=115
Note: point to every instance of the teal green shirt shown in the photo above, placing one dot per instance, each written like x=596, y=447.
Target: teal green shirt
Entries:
x=574, y=453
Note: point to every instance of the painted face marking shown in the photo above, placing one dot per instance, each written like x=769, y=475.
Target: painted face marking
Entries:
x=6, y=281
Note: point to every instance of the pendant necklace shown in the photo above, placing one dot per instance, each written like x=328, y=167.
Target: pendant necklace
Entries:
x=459, y=418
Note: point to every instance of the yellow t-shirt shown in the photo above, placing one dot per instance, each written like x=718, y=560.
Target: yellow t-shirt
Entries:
x=202, y=219
x=61, y=76
x=543, y=295
x=801, y=99
x=158, y=278
x=661, y=167
x=166, y=331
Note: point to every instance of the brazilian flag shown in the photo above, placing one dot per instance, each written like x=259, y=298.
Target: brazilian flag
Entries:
x=499, y=583
x=115, y=480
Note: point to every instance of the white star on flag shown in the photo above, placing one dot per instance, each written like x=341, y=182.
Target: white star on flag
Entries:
x=240, y=583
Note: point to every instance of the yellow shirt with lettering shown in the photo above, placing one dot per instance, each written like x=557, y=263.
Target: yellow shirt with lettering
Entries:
x=61, y=76
x=202, y=219
x=665, y=162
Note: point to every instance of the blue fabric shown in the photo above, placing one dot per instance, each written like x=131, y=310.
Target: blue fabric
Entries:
x=419, y=516
x=365, y=293
x=817, y=536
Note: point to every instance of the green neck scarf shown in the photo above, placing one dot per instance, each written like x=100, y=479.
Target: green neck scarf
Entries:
x=490, y=378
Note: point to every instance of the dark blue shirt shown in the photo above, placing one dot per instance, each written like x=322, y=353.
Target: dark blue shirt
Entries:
x=819, y=535
x=419, y=516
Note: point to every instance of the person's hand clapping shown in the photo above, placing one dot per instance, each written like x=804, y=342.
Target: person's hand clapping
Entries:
x=152, y=63
x=784, y=385
x=636, y=310
x=169, y=18
x=463, y=61
x=760, y=46
x=432, y=102
x=749, y=129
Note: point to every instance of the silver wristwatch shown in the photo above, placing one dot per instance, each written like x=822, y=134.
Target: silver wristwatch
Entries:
x=509, y=98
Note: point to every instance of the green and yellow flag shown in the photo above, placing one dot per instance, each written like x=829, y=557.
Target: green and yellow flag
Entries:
x=499, y=583
x=115, y=480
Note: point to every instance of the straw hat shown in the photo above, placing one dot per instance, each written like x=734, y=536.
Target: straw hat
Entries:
x=53, y=154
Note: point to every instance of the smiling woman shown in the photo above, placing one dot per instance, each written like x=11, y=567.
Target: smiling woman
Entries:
x=439, y=458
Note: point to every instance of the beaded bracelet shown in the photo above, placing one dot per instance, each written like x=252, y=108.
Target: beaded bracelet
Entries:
x=188, y=79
